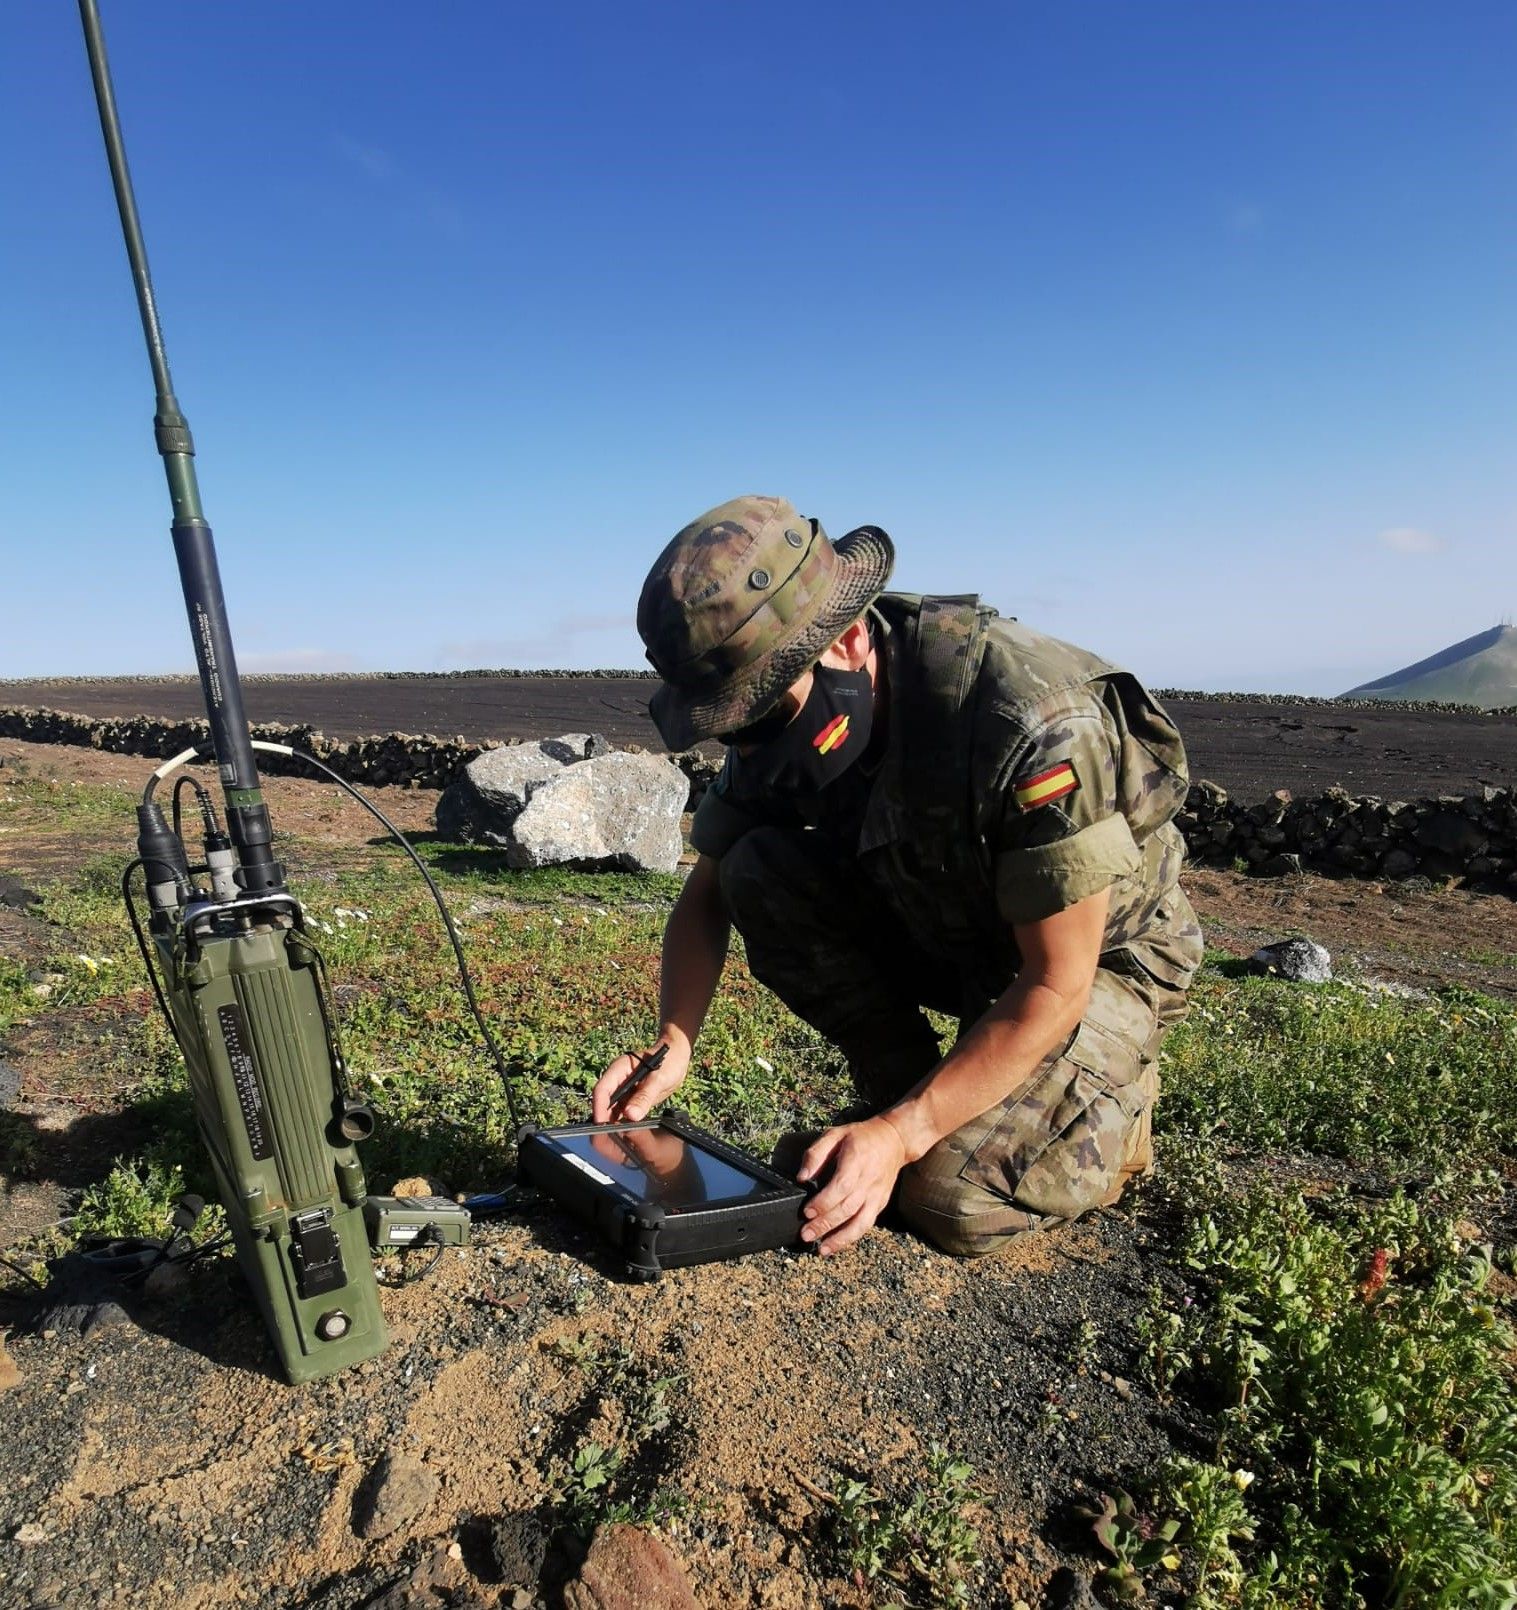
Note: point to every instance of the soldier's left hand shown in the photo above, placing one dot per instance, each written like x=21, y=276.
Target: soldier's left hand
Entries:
x=865, y=1159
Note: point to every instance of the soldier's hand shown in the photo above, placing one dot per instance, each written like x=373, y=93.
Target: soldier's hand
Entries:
x=864, y=1160
x=662, y=1082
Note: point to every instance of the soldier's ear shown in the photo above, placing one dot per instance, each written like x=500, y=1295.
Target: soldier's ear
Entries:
x=851, y=651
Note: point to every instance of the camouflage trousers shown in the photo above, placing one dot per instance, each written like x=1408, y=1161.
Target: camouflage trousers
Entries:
x=825, y=940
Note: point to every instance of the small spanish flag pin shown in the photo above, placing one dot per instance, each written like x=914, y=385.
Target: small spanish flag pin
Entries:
x=1048, y=785
x=833, y=736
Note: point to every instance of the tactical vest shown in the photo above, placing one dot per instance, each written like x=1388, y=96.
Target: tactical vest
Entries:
x=928, y=857
x=923, y=844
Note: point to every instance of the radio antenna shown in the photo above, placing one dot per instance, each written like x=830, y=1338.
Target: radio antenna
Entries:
x=247, y=815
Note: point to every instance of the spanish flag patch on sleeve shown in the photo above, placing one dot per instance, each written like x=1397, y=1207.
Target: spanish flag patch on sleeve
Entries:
x=1047, y=786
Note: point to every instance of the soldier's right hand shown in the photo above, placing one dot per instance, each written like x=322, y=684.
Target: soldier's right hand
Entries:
x=662, y=1082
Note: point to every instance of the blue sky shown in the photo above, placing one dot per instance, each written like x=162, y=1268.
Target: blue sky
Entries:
x=1187, y=332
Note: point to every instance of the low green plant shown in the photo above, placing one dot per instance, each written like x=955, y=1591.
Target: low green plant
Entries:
x=1213, y=1517
x=1263, y=1065
x=1165, y=1337
x=586, y=1485
x=1362, y=1386
x=604, y=1483
x=921, y=1544
x=1134, y=1543
x=18, y=1145
x=134, y=1199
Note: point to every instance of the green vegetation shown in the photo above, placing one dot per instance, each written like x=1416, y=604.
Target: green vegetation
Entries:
x=622, y=1478
x=917, y=1546
x=1355, y=1366
x=1338, y=1071
x=134, y=1199
x=70, y=805
x=1362, y=1385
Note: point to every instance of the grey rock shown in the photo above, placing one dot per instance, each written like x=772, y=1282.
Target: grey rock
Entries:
x=15, y=894
x=1070, y=1590
x=619, y=812
x=505, y=778
x=398, y=1490
x=1281, y=866
x=461, y=815
x=81, y=1298
x=1270, y=811
x=482, y=803
x=1399, y=864
x=10, y=1084
x=1452, y=833
x=1302, y=961
x=520, y=1541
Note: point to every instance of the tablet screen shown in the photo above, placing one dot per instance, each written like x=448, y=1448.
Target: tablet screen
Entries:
x=656, y=1165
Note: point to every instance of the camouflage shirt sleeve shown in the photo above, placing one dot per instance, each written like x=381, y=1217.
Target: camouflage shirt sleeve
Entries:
x=1056, y=833
x=719, y=822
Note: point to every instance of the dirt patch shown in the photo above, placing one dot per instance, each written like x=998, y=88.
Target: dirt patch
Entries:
x=1417, y=937
x=40, y=838
x=239, y=1490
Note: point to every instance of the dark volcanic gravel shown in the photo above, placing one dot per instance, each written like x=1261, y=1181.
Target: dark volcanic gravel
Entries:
x=1250, y=748
x=166, y=1463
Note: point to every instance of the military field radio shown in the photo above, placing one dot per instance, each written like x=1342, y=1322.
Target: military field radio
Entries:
x=237, y=974
x=242, y=986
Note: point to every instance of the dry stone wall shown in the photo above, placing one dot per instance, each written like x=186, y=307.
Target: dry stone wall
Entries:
x=413, y=760
x=1472, y=837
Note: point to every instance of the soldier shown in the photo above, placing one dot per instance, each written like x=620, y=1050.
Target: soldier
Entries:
x=923, y=804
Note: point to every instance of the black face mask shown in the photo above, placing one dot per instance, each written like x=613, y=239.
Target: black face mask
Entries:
x=823, y=741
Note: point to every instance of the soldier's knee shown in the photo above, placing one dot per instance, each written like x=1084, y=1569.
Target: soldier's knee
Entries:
x=958, y=1233
x=959, y=1217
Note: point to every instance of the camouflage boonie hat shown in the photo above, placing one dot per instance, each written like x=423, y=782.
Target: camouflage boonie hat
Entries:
x=741, y=603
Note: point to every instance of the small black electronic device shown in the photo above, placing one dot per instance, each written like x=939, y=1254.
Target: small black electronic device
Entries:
x=663, y=1193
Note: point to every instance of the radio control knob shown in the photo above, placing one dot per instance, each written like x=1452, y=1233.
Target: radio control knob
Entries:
x=333, y=1325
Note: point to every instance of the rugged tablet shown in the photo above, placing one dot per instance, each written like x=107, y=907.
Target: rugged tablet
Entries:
x=663, y=1193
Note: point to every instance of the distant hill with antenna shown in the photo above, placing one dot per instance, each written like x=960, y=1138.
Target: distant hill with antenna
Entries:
x=1482, y=670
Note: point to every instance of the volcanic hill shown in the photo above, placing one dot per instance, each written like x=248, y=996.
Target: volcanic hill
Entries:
x=1482, y=670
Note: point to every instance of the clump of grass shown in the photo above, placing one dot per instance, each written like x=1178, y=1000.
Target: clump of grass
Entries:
x=16, y=998
x=1366, y=1442
x=62, y=802
x=1261, y=1065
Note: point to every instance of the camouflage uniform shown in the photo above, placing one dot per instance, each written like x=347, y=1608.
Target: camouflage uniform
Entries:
x=1020, y=775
